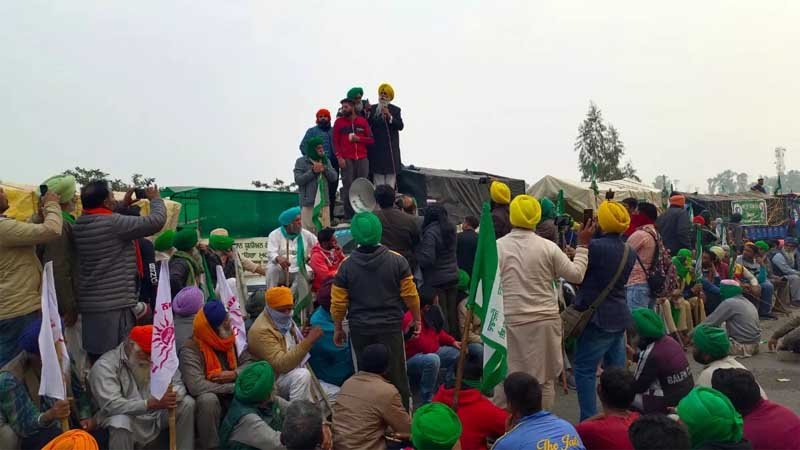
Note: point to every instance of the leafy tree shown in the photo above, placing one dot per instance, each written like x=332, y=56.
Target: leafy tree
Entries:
x=602, y=146
x=84, y=176
x=277, y=185
x=741, y=182
x=723, y=183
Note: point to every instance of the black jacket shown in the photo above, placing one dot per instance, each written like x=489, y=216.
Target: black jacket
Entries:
x=501, y=217
x=400, y=233
x=675, y=228
x=437, y=260
x=384, y=154
x=466, y=246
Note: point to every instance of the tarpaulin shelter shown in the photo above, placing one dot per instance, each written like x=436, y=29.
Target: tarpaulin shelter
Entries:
x=579, y=195
x=461, y=192
x=243, y=212
x=774, y=223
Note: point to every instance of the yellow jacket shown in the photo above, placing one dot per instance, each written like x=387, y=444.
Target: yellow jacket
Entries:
x=20, y=269
x=264, y=341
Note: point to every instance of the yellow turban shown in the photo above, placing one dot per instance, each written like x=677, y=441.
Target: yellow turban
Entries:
x=500, y=192
x=386, y=87
x=525, y=211
x=613, y=217
x=72, y=440
x=279, y=297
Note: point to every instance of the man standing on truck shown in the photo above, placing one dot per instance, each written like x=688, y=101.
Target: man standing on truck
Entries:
x=351, y=135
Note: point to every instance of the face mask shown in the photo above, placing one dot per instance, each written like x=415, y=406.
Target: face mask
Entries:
x=282, y=320
x=324, y=125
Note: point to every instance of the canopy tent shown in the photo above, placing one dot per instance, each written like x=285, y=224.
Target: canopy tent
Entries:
x=579, y=195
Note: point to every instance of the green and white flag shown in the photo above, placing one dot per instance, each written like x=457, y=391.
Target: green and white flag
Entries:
x=778, y=188
x=698, y=263
x=486, y=302
x=320, y=201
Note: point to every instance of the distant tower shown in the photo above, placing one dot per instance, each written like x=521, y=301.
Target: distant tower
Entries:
x=780, y=165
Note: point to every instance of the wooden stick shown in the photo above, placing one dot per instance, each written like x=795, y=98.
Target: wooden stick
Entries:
x=286, y=270
x=462, y=355
x=172, y=426
x=64, y=421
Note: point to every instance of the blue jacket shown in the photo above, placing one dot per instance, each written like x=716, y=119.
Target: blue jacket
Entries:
x=327, y=143
x=331, y=364
x=541, y=430
x=605, y=253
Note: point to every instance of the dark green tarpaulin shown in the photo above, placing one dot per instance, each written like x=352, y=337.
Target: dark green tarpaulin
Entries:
x=244, y=213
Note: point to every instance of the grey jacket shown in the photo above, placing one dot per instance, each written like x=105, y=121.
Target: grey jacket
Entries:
x=675, y=228
x=104, y=243
x=193, y=369
x=306, y=179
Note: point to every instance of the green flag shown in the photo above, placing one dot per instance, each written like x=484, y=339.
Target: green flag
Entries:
x=560, y=209
x=320, y=201
x=691, y=212
x=486, y=302
x=698, y=263
x=778, y=188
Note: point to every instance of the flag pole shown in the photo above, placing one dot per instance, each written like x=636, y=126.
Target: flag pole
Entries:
x=286, y=270
x=172, y=426
x=461, y=356
x=64, y=421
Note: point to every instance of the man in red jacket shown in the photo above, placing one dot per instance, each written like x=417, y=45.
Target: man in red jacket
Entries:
x=480, y=418
x=326, y=257
x=351, y=135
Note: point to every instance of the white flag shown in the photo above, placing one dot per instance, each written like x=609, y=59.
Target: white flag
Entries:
x=51, y=341
x=163, y=356
x=231, y=302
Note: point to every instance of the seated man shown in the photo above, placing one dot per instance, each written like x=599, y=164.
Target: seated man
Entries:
x=740, y=318
x=234, y=263
x=368, y=406
x=290, y=235
x=658, y=432
x=435, y=426
x=326, y=257
x=120, y=383
x=767, y=425
x=609, y=429
x=186, y=267
x=663, y=375
x=304, y=428
x=751, y=261
x=209, y=366
x=786, y=264
x=35, y=419
x=185, y=306
x=712, y=421
x=531, y=427
x=275, y=339
x=482, y=420
x=72, y=440
x=331, y=363
x=255, y=417
x=474, y=340
x=432, y=350
x=789, y=336
x=711, y=347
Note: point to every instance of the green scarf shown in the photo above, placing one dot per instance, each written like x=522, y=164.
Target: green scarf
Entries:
x=302, y=291
x=321, y=201
x=272, y=416
x=67, y=217
x=194, y=268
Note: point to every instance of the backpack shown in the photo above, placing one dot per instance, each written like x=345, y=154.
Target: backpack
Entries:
x=662, y=278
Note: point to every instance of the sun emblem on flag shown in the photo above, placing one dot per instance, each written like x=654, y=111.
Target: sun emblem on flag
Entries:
x=164, y=340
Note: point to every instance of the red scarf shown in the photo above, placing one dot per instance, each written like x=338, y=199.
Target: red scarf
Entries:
x=107, y=212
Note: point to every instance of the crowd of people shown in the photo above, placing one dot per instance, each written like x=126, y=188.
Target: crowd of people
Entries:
x=361, y=351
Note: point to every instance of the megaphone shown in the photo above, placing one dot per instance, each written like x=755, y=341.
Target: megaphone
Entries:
x=362, y=195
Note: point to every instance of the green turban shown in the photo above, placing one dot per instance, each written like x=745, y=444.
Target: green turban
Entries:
x=435, y=427
x=63, y=186
x=289, y=215
x=254, y=383
x=311, y=148
x=684, y=254
x=763, y=246
x=648, y=323
x=355, y=92
x=220, y=242
x=185, y=240
x=712, y=341
x=463, y=280
x=729, y=288
x=548, y=209
x=680, y=267
x=710, y=417
x=366, y=229
x=164, y=241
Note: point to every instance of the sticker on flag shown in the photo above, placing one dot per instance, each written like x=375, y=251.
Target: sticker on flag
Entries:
x=231, y=301
x=163, y=356
x=52, y=348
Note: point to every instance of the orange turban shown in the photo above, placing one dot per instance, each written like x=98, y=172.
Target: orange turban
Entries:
x=143, y=336
x=72, y=440
x=323, y=113
x=677, y=200
x=279, y=297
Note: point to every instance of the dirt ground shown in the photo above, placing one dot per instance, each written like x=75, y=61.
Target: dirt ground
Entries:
x=766, y=368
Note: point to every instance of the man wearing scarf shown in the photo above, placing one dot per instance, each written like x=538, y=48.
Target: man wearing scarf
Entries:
x=712, y=421
x=35, y=419
x=210, y=366
x=20, y=296
x=120, y=383
x=759, y=289
x=275, y=338
x=185, y=306
x=740, y=318
x=233, y=263
x=324, y=130
x=187, y=267
x=785, y=264
x=299, y=242
x=386, y=123
x=110, y=264
x=313, y=175
x=255, y=417
x=326, y=257
x=332, y=364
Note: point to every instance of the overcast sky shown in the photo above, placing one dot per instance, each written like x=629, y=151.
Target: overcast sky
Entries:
x=219, y=93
